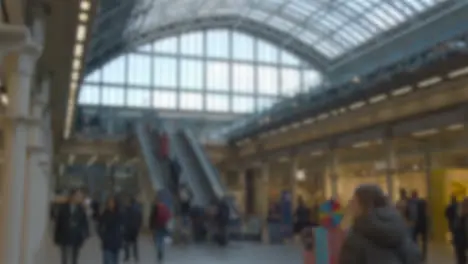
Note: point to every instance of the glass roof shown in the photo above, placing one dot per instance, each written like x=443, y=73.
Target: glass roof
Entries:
x=331, y=27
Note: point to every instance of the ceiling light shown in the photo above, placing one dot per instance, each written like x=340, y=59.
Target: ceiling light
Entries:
x=78, y=52
x=4, y=99
x=316, y=153
x=83, y=17
x=300, y=175
x=85, y=5
x=322, y=116
x=80, y=32
x=424, y=133
x=357, y=105
x=377, y=98
x=75, y=76
x=458, y=72
x=283, y=159
x=429, y=82
x=362, y=144
x=76, y=64
x=402, y=91
x=455, y=127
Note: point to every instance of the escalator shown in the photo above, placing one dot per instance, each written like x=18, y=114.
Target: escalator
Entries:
x=153, y=184
x=198, y=171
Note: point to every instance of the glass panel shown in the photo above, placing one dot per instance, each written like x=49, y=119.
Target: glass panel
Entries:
x=139, y=70
x=243, y=104
x=217, y=102
x=266, y=52
x=217, y=76
x=291, y=82
x=267, y=80
x=168, y=45
x=95, y=76
x=265, y=103
x=165, y=72
x=113, y=96
x=146, y=48
x=243, y=78
x=217, y=43
x=164, y=99
x=242, y=46
x=192, y=44
x=312, y=79
x=89, y=95
x=191, y=74
x=114, y=71
x=290, y=59
x=139, y=98
x=191, y=101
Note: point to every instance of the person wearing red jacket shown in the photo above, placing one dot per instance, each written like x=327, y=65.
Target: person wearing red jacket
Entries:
x=159, y=218
x=164, y=143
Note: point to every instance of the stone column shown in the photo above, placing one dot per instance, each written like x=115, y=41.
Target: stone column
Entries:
x=20, y=70
x=264, y=187
x=391, y=167
x=36, y=204
x=241, y=188
x=331, y=180
x=293, y=181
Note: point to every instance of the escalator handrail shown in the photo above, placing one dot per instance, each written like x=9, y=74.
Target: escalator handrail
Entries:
x=151, y=162
x=209, y=169
x=187, y=172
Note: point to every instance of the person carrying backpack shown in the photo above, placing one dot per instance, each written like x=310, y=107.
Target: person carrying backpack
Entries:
x=159, y=218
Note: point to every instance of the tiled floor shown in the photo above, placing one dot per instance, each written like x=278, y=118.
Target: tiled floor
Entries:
x=235, y=253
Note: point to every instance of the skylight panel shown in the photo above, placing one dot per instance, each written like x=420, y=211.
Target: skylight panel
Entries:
x=329, y=48
x=417, y=5
x=393, y=12
x=281, y=23
x=306, y=5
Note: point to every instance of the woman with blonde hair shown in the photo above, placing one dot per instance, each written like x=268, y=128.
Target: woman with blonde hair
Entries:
x=378, y=233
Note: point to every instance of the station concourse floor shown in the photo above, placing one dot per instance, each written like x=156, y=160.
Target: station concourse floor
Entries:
x=234, y=253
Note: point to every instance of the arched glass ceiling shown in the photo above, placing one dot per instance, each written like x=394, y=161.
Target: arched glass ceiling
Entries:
x=216, y=71
x=331, y=27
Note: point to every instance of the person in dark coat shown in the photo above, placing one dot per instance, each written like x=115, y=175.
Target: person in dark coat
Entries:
x=460, y=233
x=111, y=231
x=451, y=212
x=378, y=234
x=71, y=229
x=133, y=221
x=222, y=219
x=417, y=209
x=301, y=216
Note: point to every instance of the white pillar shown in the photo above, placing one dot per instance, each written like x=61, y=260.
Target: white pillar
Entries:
x=36, y=206
x=11, y=37
x=265, y=187
x=391, y=168
x=293, y=180
x=331, y=188
x=18, y=82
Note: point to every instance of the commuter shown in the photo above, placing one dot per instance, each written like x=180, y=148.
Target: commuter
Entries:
x=274, y=223
x=185, y=196
x=222, y=220
x=164, y=145
x=417, y=209
x=111, y=230
x=198, y=221
x=402, y=205
x=159, y=218
x=460, y=233
x=301, y=217
x=132, y=225
x=451, y=212
x=71, y=228
x=378, y=233
x=175, y=170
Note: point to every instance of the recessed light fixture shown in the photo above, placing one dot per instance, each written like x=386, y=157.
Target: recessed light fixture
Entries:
x=78, y=51
x=83, y=17
x=85, y=5
x=81, y=32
